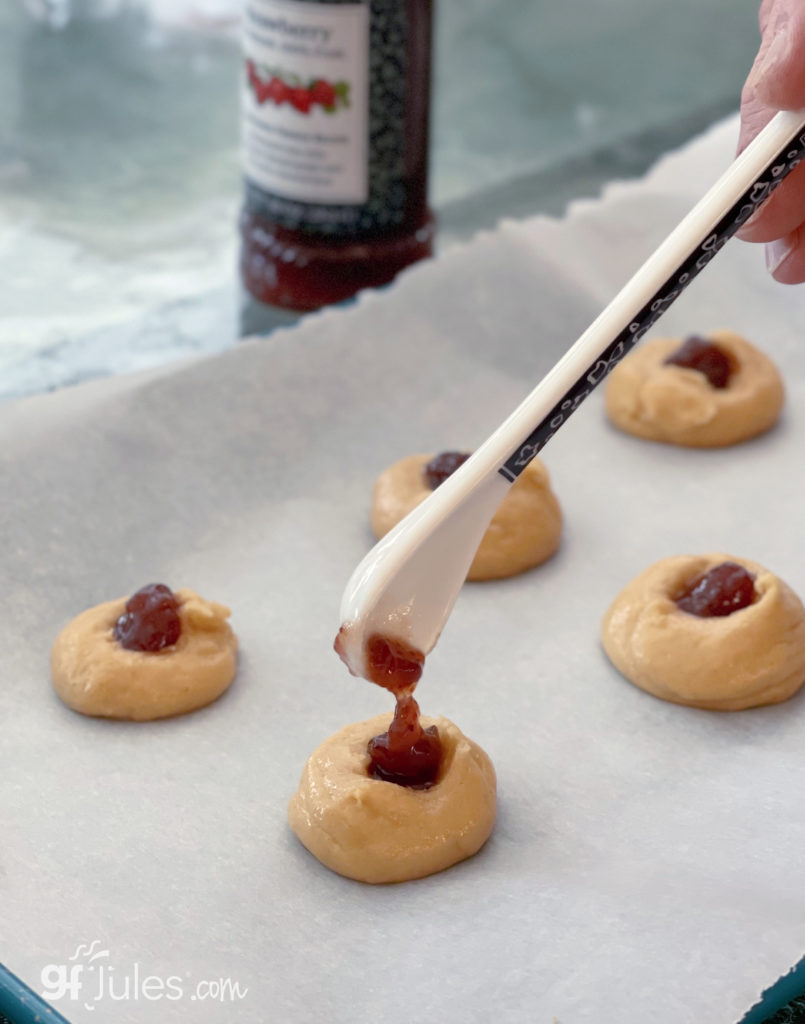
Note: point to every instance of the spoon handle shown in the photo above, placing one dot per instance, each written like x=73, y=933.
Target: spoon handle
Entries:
x=746, y=184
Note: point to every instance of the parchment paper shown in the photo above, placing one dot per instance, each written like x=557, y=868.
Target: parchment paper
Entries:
x=648, y=859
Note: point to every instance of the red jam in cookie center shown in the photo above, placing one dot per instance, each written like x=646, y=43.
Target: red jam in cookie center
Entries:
x=442, y=466
x=151, y=620
x=705, y=357
x=407, y=754
x=723, y=590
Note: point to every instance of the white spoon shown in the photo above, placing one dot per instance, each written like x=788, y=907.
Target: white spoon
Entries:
x=405, y=588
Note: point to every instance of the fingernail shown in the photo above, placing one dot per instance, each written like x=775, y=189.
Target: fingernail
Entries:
x=768, y=64
x=777, y=253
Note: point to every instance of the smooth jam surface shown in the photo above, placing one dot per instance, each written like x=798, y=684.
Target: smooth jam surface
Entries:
x=725, y=589
x=442, y=466
x=706, y=358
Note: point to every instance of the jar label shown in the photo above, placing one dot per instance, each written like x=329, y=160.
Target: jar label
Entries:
x=306, y=103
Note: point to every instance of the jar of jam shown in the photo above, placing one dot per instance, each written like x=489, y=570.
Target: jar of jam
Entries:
x=335, y=146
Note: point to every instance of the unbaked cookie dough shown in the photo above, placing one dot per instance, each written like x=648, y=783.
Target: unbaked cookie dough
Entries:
x=376, y=831
x=524, y=532
x=753, y=656
x=650, y=399
x=93, y=674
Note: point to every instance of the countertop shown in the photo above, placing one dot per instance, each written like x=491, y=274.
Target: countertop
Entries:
x=119, y=164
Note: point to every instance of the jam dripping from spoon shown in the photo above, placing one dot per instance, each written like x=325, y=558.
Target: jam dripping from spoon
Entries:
x=406, y=754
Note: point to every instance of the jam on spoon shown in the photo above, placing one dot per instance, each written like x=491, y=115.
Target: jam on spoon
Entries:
x=151, y=620
x=725, y=589
x=702, y=355
x=442, y=466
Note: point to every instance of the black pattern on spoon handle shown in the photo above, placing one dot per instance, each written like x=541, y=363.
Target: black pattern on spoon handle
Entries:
x=785, y=161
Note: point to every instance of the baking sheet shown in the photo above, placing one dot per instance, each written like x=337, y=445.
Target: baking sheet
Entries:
x=647, y=859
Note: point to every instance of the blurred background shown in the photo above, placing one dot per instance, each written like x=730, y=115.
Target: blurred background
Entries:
x=119, y=166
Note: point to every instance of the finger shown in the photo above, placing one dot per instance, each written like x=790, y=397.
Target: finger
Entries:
x=754, y=116
x=764, y=14
x=785, y=258
x=782, y=213
x=777, y=77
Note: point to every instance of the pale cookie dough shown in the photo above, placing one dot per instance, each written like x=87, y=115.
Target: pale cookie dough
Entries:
x=524, y=532
x=679, y=406
x=754, y=656
x=94, y=675
x=375, y=831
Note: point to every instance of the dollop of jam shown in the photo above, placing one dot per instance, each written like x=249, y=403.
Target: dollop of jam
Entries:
x=407, y=754
x=442, y=466
x=702, y=355
x=723, y=590
x=151, y=620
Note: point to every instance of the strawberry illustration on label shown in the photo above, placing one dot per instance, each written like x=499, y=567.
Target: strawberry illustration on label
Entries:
x=283, y=87
x=300, y=100
x=278, y=91
x=323, y=93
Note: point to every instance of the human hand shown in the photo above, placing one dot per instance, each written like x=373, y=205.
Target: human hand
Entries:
x=777, y=82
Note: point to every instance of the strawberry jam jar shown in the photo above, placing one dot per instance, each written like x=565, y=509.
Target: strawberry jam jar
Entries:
x=335, y=146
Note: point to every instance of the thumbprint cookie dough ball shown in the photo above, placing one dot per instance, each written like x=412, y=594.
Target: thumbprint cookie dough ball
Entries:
x=524, y=532
x=700, y=393
x=374, y=830
x=153, y=655
x=711, y=631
